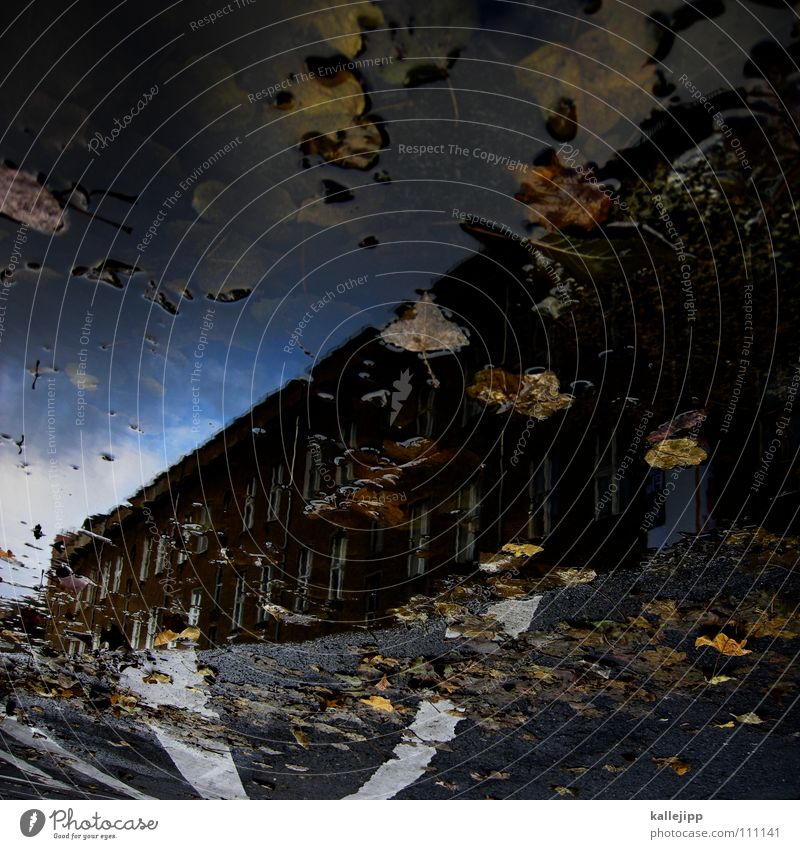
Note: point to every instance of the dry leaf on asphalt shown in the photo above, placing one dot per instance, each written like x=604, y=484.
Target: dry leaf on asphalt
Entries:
x=157, y=678
x=680, y=767
x=378, y=703
x=675, y=452
x=749, y=718
x=301, y=737
x=383, y=684
x=724, y=644
x=531, y=395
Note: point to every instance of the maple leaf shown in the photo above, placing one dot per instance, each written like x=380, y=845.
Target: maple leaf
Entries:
x=675, y=452
x=532, y=395
x=724, y=644
x=560, y=197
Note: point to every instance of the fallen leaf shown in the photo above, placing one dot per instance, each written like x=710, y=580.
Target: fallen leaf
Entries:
x=341, y=25
x=494, y=775
x=614, y=769
x=724, y=644
x=157, y=678
x=532, y=395
x=122, y=744
x=383, y=684
x=301, y=737
x=429, y=45
x=730, y=724
x=563, y=791
x=24, y=199
x=560, y=197
x=684, y=421
x=605, y=69
x=521, y=550
x=748, y=718
x=720, y=679
x=571, y=577
x=297, y=768
x=165, y=638
x=675, y=452
x=675, y=763
x=424, y=328
x=378, y=703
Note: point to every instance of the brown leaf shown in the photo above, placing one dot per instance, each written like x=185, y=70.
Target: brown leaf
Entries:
x=724, y=644
x=301, y=737
x=684, y=421
x=157, y=678
x=680, y=767
x=560, y=197
x=424, y=328
x=383, y=684
x=675, y=452
x=494, y=775
x=27, y=201
x=532, y=395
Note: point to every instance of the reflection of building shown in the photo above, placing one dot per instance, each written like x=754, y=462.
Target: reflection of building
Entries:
x=339, y=496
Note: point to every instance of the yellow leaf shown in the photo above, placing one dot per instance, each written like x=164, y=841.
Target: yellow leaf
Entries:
x=571, y=577
x=379, y=703
x=675, y=452
x=730, y=724
x=165, y=638
x=532, y=395
x=720, y=679
x=157, y=678
x=724, y=644
x=301, y=737
x=748, y=718
x=612, y=768
x=190, y=633
x=521, y=550
x=563, y=791
x=679, y=766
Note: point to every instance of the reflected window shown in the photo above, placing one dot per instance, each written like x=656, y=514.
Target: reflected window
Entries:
x=418, y=537
x=201, y=544
x=338, y=558
x=303, y=580
x=608, y=491
x=425, y=412
x=311, y=485
x=144, y=566
x=104, y=578
x=238, y=604
x=467, y=526
x=195, y=605
x=540, y=499
x=218, y=584
x=162, y=555
x=152, y=625
x=267, y=577
x=249, y=512
x=276, y=492
x=372, y=586
x=136, y=633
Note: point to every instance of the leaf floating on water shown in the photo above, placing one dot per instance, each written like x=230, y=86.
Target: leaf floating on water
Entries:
x=675, y=452
x=606, y=71
x=748, y=718
x=719, y=679
x=532, y=395
x=342, y=25
x=26, y=201
x=730, y=724
x=560, y=197
x=684, y=421
x=724, y=644
x=428, y=47
x=423, y=328
x=675, y=763
x=379, y=703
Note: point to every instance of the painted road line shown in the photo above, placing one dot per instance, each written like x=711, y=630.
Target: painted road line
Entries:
x=209, y=768
x=435, y=722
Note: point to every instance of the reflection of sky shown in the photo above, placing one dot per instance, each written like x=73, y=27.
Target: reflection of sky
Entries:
x=253, y=220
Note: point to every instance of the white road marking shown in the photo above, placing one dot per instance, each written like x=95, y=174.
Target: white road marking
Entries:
x=210, y=769
x=38, y=739
x=435, y=722
x=515, y=615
